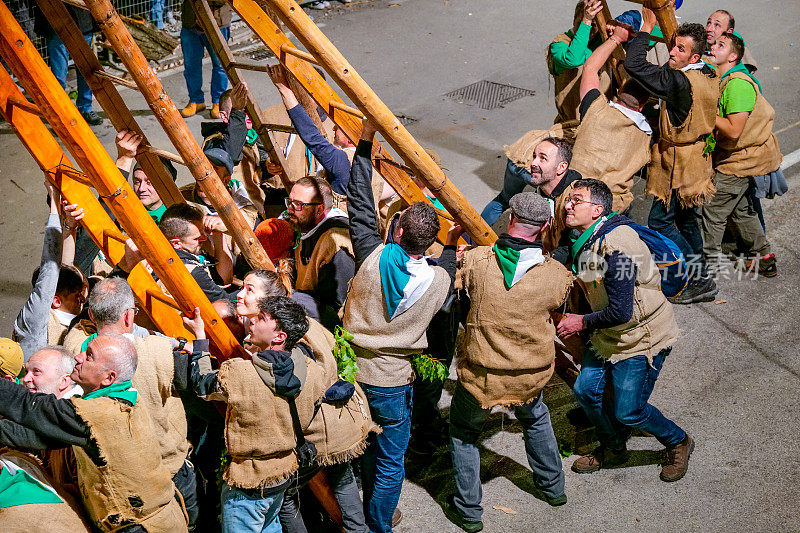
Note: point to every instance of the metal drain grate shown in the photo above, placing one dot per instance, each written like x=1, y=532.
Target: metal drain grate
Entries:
x=405, y=120
x=488, y=94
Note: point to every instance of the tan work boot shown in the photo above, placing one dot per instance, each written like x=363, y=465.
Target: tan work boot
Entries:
x=214, y=110
x=192, y=109
x=677, y=461
x=601, y=457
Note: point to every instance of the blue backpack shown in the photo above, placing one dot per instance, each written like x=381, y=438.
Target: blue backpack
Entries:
x=668, y=258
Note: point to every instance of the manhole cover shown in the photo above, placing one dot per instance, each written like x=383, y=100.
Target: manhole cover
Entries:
x=488, y=94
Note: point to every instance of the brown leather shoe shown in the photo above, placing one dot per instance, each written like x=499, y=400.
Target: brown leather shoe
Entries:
x=214, y=111
x=192, y=109
x=677, y=461
x=601, y=457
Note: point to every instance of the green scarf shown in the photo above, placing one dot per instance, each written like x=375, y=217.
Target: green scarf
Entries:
x=252, y=137
x=156, y=214
x=507, y=259
x=122, y=390
x=89, y=339
x=583, y=238
x=21, y=488
x=739, y=67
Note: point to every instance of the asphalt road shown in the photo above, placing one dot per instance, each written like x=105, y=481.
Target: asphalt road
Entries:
x=732, y=378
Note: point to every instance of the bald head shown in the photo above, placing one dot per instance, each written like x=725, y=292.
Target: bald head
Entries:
x=108, y=359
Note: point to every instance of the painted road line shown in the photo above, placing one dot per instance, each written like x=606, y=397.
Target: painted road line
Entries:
x=790, y=159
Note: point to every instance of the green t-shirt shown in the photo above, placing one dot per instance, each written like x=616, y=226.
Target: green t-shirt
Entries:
x=156, y=214
x=739, y=96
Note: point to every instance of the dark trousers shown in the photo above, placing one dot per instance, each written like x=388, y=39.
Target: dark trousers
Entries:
x=186, y=483
x=682, y=225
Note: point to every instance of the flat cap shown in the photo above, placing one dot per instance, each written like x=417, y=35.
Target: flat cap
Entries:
x=11, y=358
x=530, y=208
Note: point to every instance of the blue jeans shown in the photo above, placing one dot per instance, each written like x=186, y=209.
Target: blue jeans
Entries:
x=157, y=13
x=682, y=225
x=514, y=182
x=383, y=465
x=194, y=43
x=615, y=396
x=244, y=512
x=466, y=420
x=59, y=64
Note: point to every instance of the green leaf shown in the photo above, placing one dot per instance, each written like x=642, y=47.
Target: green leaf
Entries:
x=346, y=366
x=428, y=368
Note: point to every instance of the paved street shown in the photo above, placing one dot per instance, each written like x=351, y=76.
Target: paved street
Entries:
x=731, y=380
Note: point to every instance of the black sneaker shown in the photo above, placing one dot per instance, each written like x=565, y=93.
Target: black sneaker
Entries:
x=92, y=118
x=556, y=501
x=765, y=265
x=701, y=290
x=452, y=514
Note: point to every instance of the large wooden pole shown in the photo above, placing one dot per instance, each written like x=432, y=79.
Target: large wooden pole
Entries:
x=618, y=55
x=108, y=97
x=176, y=129
x=55, y=106
x=665, y=15
x=389, y=126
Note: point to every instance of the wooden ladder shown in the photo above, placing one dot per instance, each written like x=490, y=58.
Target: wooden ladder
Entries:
x=99, y=171
x=264, y=17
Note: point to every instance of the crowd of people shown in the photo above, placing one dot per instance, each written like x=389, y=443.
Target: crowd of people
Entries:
x=108, y=425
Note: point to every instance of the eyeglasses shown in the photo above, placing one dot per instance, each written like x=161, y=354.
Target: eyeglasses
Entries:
x=297, y=205
x=576, y=201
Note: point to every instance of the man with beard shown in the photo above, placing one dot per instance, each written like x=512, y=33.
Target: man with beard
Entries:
x=324, y=254
x=49, y=370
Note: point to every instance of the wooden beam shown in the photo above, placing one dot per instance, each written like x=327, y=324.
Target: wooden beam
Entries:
x=618, y=55
x=178, y=132
x=665, y=15
x=258, y=67
x=104, y=90
x=39, y=82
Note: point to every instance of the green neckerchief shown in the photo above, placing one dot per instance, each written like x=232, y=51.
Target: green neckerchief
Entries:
x=507, y=258
x=156, y=214
x=583, y=238
x=436, y=203
x=89, y=339
x=655, y=33
x=739, y=67
x=122, y=390
x=234, y=185
x=21, y=489
x=252, y=137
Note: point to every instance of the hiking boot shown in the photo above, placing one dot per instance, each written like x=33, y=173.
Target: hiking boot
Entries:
x=557, y=501
x=700, y=290
x=92, y=118
x=397, y=517
x=677, y=461
x=214, y=111
x=601, y=457
x=765, y=265
x=192, y=109
x=452, y=513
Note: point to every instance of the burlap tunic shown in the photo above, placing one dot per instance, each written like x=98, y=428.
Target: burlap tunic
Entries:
x=677, y=161
x=259, y=434
x=508, y=350
x=133, y=486
x=611, y=148
x=328, y=244
x=568, y=85
x=756, y=151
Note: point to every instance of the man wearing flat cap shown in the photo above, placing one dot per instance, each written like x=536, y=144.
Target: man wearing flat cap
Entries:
x=508, y=353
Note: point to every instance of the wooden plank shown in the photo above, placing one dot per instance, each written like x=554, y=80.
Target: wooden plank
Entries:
x=58, y=170
x=665, y=15
x=25, y=62
x=256, y=17
x=206, y=19
x=178, y=132
x=104, y=90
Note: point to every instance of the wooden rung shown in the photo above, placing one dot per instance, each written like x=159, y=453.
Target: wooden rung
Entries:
x=288, y=48
x=116, y=79
x=161, y=297
x=346, y=108
x=246, y=65
x=115, y=235
x=163, y=153
x=26, y=106
x=77, y=3
x=283, y=128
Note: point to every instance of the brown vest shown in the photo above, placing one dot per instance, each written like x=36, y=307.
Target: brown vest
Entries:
x=56, y=331
x=756, y=152
x=677, y=161
x=328, y=244
x=610, y=147
x=507, y=354
x=568, y=85
x=259, y=434
x=133, y=486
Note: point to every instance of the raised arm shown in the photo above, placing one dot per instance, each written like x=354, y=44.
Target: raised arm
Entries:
x=364, y=232
x=590, y=79
x=572, y=55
